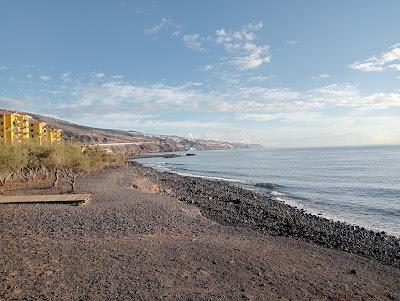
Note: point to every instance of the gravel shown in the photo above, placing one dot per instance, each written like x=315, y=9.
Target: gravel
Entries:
x=213, y=244
x=233, y=205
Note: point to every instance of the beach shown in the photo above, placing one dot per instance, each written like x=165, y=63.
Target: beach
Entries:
x=151, y=235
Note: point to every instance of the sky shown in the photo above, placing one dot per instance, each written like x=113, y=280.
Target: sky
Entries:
x=278, y=73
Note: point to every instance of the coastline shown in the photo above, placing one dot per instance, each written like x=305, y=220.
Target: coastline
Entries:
x=335, y=183
x=150, y=235
x=236, y=206
x=271, y=190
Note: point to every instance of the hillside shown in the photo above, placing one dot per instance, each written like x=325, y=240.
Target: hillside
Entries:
x=133, y=142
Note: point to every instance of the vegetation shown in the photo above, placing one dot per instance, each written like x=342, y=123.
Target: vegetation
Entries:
x=52, y=161
x=13, y=159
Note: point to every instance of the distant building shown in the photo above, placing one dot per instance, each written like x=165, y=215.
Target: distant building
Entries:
x=53, y=135
x=37, y=131
x=18, y=128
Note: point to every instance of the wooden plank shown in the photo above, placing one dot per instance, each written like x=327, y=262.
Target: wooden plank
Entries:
x=44, y=198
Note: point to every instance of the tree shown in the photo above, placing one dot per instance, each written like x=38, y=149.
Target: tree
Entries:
x=97, y=157
x=13, y=158
x=68, y=160
x=37, y=156
x=73, y=163
x=54, y=161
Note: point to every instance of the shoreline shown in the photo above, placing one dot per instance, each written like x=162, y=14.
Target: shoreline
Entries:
x=267, y=189
x=238, y=206
x=149, y=235
x=283, y=194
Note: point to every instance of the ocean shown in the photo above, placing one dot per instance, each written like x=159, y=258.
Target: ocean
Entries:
x=356, y=185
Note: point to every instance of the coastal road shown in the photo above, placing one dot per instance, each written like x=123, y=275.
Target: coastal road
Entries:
x=124, y=143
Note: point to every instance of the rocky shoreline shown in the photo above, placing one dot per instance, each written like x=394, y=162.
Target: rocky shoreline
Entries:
x=236, y=206
x=135, y=241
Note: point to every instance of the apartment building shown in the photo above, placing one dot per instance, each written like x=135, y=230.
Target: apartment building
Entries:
x=18, y=128
x=53, y=135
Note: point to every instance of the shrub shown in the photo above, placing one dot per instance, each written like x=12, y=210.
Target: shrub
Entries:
x=13, y=158
x=69, y=160
x=37, y=156
x=73, y=163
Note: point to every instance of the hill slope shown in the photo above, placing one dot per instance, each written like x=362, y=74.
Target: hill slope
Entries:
x=133, y=142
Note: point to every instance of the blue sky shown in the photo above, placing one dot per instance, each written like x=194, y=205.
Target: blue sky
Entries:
x=279, y=73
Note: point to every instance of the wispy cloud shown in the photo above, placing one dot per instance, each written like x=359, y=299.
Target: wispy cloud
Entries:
x=395, y=67
x=286, y=117
x=141, y=12
x=260, y=78
x=208, y=67
x=99, y=75
x=3, y=68
x=242, y=50
x=194, y=41
x=322, y=76
x=13, y=103
x=45, y=77
x=290, y=43
x=143, y=107
x=258, y=100
x=377, y=63
x=166, y=24
x=241, y=45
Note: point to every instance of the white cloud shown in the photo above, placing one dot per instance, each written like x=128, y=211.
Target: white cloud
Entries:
x=251, y=100
x=99, y=75
x=368, y=66
x=381, y=62
x=245, y=52
x=148, y=97
x=66, y=76
x=253, y=26
x=181, y=124
x=13, y=103
x=252, y=56
x=194, y=41
x=286, y=117
x=257, y=117
x=260, y=78
x=3, y=68
x=395, y=67
x=322, y=76
x=208, y=67
x=141, y=12
x=45, y=77
x=269, y=93
x=167, y=24
x=304, y=117
x=291, y=42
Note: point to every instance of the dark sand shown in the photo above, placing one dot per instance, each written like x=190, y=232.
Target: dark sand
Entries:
x=134, y=244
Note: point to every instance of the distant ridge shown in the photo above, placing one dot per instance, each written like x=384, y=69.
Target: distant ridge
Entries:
x=133, y=142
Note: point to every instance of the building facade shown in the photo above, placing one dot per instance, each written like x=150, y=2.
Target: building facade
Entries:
x=19, y=128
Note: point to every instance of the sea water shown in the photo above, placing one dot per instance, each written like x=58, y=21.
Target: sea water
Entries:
x=357, y=185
